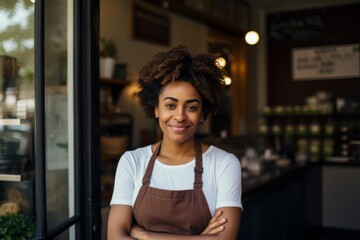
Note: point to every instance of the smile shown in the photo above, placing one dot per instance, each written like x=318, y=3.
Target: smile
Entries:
x=178, y=128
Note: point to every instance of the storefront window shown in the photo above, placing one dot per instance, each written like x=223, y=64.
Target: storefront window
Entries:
x=17, y=119
x=59, y=114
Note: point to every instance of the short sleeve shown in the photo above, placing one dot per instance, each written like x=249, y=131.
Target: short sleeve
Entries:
x=124, y=181
x=229, y=184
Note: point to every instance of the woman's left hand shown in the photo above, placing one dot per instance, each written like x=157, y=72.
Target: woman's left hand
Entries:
x=137, y=232
x=216, y=224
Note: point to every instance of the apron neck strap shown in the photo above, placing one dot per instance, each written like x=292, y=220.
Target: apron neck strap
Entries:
x=198, y=166
x=198, y=169
x=147, y=176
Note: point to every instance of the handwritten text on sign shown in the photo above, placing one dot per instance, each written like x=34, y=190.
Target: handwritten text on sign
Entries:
x=327, y=62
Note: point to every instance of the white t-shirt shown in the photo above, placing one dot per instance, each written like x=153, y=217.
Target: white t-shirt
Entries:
x=221, y=177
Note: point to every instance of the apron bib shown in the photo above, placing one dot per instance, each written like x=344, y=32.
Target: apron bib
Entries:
x=182, y=212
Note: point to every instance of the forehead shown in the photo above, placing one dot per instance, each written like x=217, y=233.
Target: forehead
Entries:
x=179, y=90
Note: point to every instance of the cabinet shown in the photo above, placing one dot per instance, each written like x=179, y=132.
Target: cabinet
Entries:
x=281, y=209
x=115, y=133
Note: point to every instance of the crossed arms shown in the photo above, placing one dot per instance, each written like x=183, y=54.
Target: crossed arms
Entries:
x=224, y=225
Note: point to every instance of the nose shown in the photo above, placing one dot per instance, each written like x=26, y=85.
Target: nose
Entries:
x=180, y=114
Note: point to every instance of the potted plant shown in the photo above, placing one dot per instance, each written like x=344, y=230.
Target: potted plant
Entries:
x=17, y=227
x=108, y=54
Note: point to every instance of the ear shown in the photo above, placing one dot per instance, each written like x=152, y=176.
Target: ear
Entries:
x=156, y=111
x=202, y=119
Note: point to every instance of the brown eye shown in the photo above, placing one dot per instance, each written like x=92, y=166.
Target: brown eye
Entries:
x=170, y=106
x=192, y=108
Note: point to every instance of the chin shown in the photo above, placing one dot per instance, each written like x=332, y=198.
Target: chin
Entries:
x=181, y=139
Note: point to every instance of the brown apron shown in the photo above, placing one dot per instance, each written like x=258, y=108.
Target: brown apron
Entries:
x=183, y=212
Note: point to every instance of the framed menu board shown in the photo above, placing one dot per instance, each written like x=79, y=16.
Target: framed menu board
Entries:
x=326, y=62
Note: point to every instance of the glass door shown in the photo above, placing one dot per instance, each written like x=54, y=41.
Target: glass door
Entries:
x=49, y=183
x=66, y=135
x=56, y=116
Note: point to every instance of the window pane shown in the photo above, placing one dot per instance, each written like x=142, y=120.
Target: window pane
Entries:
x=65, y=235
x=16, y=119
x=58, y=112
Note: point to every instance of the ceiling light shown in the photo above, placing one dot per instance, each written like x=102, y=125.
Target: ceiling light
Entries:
x=252, y=37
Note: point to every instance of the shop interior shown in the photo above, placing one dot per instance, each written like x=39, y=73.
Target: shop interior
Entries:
x=291, y=112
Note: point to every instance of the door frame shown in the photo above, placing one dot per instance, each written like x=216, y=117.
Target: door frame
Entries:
x=87, y=220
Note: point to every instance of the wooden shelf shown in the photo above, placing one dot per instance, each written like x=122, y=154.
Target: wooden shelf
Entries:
x=10, y=122
x=111, y=88
x=8, y=177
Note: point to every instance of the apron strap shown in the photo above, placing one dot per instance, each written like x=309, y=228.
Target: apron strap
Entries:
x=198, y=169
x=198, y=166
x=147, y=176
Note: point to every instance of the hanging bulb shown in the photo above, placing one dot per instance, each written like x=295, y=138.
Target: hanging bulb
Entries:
x=252, y=37
x=220, y=62
x=227, y=80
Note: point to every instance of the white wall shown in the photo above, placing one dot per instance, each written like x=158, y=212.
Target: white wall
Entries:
x=115, y=24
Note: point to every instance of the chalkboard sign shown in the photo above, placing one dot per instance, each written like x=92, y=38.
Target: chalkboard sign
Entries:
x=326, y=62
x=295, y=28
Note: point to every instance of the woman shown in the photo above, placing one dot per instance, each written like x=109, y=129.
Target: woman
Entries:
x=177, y=188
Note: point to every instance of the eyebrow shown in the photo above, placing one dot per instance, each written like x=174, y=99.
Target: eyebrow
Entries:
x=176, y=100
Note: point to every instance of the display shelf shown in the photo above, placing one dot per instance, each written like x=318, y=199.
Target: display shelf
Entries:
x=110, y=89
x=333, y=138
x=12, y=177
x=116, y=125
x=10, y=121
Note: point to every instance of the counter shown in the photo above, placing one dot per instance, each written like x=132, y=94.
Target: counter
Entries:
x=301, y=201
x=254, y=183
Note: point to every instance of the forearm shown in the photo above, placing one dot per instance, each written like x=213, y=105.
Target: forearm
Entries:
x=122, y=237
x=119, y=236
x=165, y=236
x=120, y=223
x=218, y=228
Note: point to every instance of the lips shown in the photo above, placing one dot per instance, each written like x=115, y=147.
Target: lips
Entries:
x=178, y=128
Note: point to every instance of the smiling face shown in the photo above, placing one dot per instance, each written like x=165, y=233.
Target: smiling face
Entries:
x=179, y=111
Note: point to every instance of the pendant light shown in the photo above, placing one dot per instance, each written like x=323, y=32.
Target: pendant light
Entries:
x=252, y=37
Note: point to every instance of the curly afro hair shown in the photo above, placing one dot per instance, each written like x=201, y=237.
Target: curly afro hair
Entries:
x=178, y=65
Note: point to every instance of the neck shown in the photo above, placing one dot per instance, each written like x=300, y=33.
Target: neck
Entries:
x=177, y=153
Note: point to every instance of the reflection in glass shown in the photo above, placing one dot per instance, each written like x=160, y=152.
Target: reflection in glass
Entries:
x=58, y=113
x=17, y=102
x=64, y=235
